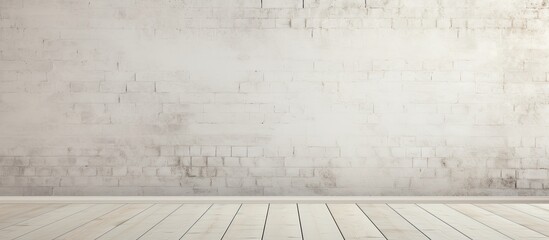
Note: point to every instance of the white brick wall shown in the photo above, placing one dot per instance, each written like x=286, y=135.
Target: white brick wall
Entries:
x=274, y=97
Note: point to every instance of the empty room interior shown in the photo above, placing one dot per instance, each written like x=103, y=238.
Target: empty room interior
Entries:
x=274, y=119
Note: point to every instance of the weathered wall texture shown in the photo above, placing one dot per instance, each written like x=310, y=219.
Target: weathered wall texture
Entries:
x=274, y=97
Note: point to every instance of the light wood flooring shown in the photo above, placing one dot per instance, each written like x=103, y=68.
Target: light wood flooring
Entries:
x=315, y=221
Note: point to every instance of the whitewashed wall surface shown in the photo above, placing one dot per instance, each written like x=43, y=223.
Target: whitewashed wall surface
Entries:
x=274, y=97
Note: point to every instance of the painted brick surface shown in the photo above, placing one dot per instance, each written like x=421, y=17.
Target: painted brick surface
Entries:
x=274, y=97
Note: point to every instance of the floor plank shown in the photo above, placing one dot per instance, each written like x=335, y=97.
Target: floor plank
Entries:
x=353, y=223
x=496, y=222
x=431, y=226
x=11, y=207
x=11, y=210
x=542, y=206
x=468, y=226
x=105, y=223
x=214, y=223
x=392, y=225
x=282, y=222
x=179, y=222
x=531, y=210
x=518, y=217
x=32, y=224
x=69, y=223
x=34, y=210
x=140, y=224
x=5, y=206
x=317, y=222
x=248, y=223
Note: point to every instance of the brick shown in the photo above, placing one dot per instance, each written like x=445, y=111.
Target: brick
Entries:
x=149, y=97
x=195, y=151
x=113, y=87
x=215, y=161
x=239, y=151
x=255, y=152
x=231, y=161
x=282, y=3
x=532, y=174
x=140, y=87
x=198, y=161
x=223, y=151
x=182, y=151
x=167, y=151
x=208, y=151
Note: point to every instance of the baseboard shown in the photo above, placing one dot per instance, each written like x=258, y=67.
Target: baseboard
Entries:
x=274, y=199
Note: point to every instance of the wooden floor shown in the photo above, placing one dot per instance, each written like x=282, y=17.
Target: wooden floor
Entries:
x=273, y=221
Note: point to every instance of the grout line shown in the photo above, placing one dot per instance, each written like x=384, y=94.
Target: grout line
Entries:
x=265, y=224
x=125, y=221
x=161, y=220
x=228, y=226
x=443, y=221
x=371, y=220
x=196, y=221
x=337, y=225
x=299, y=218
x=408, y=221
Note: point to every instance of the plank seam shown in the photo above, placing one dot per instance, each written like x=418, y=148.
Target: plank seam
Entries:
x=482, y=222
x=64, y=205
x=88, y=221
x=156, y=224
x=230, y=223
x=512, y=220
x=124, y=221
x=383, y=234
x=265, y=223
x=53, y=222
x=196, y=221
x=537, y=206
x=299, y=218
x=337, y=225
x=408, y=221
x=443, y=221
x=516, y=209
